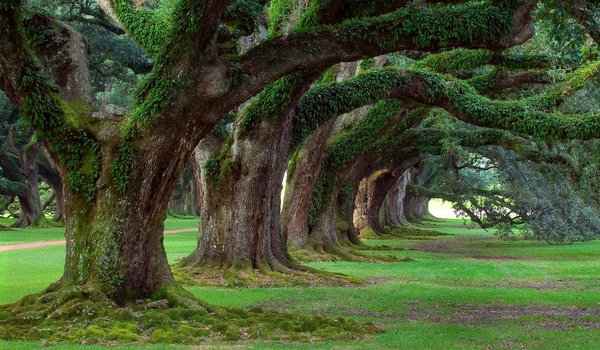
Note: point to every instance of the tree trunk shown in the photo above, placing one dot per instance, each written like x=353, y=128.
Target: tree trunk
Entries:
x=48, y=172
x=394, y=202
x=25, y=173
x=372, y=192
x=344, y=210
x=300, y=183
x=365, y=217
x=240, y=208
x=183, y=202
x=115, y=241
x=416, y=207
x=416, y=204
x=332, y=229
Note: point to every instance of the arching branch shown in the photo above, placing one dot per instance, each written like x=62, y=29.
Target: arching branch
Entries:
x=148, y=30
x=471, y=25
x=529, y=116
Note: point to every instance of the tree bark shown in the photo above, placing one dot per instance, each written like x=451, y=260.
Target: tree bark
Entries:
x=115, y=241
x=394, y=202
x=323, y=236
x=240, y=210
x=299, y=187
x=48, y=172
x=375, y=184
x=22, y=169
x=184, y=202
x=415, y=204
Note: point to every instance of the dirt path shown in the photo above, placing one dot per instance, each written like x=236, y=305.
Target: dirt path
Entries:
x=4, y=248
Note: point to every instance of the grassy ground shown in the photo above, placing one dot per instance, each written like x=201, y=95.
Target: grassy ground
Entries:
x=28, y=235
x=463, y=291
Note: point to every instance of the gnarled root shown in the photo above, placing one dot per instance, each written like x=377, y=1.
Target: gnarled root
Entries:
x=85, y=314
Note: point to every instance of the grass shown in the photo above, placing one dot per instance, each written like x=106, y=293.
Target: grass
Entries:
x=464, y=291
x=28, y=235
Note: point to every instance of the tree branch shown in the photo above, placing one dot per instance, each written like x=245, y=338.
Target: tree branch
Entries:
x=528, y=116
x=140, y=23
x=432, y=29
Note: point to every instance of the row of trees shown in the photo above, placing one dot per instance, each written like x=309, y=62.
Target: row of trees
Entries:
x=250, y=97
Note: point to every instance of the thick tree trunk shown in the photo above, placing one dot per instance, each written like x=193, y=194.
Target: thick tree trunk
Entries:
x=416, y=205
x=115, y=241
x=300, y=184
x=183, y=202
x=333, y=229
x=372, y=192
x=25, y=173
x=31, y=206
x=344, y=210
x=240, y=210
x=51, y=176
x=365, y=217
x=394, y=202
x=115, y=246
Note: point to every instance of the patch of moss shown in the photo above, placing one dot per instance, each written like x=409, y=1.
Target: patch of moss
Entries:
x=139, y=323
x=223, y=276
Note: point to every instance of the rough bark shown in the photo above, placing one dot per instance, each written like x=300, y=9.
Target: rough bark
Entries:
x=323, y=236
x=374, y=183
x=240, y=210
x=48, y=172
x=416, y=204
x=394, y=202
x=299, y=187
x=184, y=200
x=20, y=167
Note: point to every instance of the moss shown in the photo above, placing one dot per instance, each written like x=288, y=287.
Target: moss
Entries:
x=534, y=116
x=342, y=226
x=343, y=148
x=413, y=231
x=205, y=275
x=456, y=60
x=114, y=325
x=431, y=27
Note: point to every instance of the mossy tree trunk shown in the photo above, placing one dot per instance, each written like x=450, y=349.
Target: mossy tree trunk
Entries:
x=416, y=205
x=373, y=190
x=339, y=211
x=323, y=237
x=368, y=199
x=115, y=242
x=300, y=182
x=240, y=208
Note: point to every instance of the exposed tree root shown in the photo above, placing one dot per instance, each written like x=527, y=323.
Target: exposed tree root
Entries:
x=349, y=253
x=84, y=314
x=404, y=232
x=204, y=274
x=42, y=222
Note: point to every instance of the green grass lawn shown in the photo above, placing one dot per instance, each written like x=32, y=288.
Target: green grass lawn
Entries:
x=28, y=235
x=464, y=291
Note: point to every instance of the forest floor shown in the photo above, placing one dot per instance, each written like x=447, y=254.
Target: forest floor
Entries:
x=465, y=290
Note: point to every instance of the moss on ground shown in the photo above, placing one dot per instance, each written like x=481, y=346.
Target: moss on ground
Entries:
x=205, y=275
x=349, y=253
x=83, y=314
x=405, y=232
